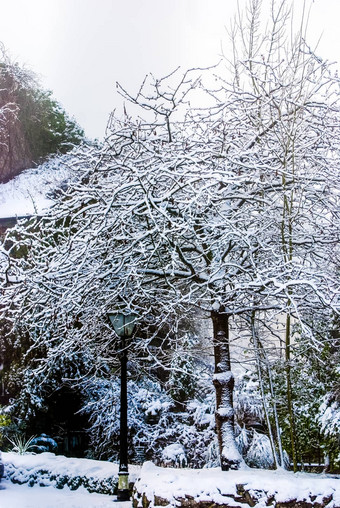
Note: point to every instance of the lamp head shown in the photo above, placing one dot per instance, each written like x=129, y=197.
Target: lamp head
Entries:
x=123, y=323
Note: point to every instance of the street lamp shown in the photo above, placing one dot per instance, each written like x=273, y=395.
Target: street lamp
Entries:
x=124, y=325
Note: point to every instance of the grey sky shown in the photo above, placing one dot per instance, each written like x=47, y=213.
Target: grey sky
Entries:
x=80, y=48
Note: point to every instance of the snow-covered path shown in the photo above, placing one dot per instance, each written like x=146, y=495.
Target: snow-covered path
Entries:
x=22, y=496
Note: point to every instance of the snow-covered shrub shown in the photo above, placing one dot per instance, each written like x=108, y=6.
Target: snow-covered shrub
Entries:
x=248, y=402
x=254, y=446
x=329, y=417
x=182, y=382
x=193, y=427
x=212, y=454
x=260, y=453
x=243, y=439
x=154, y=423
x=174, y=455
x=48, y=469
x=44, y=443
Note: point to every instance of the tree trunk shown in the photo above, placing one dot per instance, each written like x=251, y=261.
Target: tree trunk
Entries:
x=290, y=408
x=224, y=385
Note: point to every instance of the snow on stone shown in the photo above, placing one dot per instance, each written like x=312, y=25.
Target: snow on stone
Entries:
x=214, y=485
x=206, y=485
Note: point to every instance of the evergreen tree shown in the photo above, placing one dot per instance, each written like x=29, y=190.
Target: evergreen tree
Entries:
x=33, y=125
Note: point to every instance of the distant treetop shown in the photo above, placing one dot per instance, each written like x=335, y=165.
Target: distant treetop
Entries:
x=32, y=124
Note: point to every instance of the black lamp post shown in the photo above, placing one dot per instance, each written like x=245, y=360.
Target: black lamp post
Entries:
x=124, y=325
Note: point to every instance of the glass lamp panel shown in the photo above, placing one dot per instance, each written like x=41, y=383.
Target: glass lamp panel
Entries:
x=130, y=323
x=118, y=321
x=123, y=324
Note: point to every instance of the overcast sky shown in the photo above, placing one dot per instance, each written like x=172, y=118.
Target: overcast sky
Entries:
x=80, y=48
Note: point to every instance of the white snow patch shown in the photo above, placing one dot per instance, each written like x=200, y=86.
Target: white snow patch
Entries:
x=212, y=484
x=22, y=496
x=66, y=465
x=28, y=193
x=223, y=377
x=174, y=454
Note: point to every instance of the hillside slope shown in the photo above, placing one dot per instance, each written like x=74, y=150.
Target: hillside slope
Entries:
x=32, y=191
x=32, y=124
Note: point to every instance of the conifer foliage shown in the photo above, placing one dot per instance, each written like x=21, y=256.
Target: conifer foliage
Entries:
x=33, y=125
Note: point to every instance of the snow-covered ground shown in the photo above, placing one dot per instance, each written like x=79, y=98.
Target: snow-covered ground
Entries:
x=22, y=496
x=169, y=484
x=30, y=192
x=203, y=485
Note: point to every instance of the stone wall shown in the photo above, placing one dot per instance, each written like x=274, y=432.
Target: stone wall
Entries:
x=212, y=488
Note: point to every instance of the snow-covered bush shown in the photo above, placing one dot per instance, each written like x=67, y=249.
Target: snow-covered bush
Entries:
x=154, y=423
x=248, y=403
x=329, y=417
x=174, y=455
x=260, y=453
x=158, y=429
x=44, y=443
x=182, y=383
x=256, y=449
x=254, y=446
x=243, y=439
x=48, y=469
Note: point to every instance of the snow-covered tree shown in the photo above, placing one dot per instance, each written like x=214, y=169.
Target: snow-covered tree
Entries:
x=222, y=203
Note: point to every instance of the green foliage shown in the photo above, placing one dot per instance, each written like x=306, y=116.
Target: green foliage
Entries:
x=182, y=384
x=21, y=445
x=32, y=120
x=5, y=422
x=47, y=127
x=312, y=377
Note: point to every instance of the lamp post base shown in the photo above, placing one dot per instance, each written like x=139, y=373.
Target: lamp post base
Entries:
x=123, y=493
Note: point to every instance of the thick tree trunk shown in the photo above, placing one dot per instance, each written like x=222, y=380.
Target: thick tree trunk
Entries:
x=224, y=385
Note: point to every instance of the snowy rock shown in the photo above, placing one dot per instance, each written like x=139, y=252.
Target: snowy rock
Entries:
x=214, y=488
